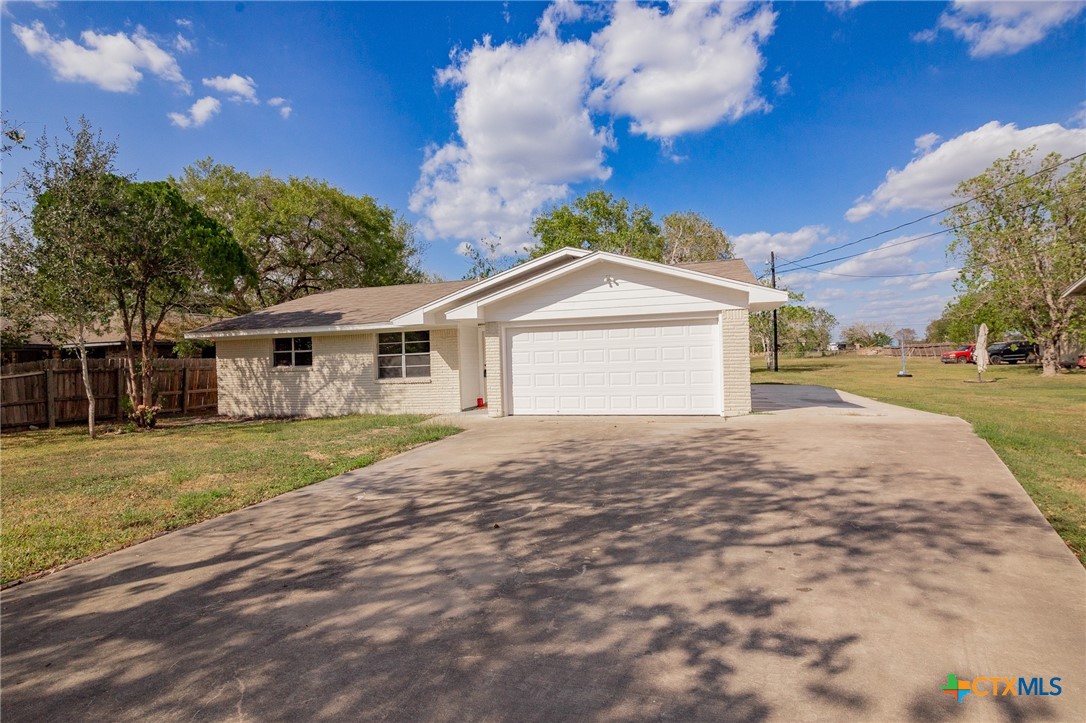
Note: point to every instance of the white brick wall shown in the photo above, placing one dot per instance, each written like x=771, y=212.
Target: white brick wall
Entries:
x=342, y=380
x=492, y=340
x=735, y=337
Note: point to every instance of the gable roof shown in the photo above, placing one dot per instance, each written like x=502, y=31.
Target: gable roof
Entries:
x=734, y=269
x=759, y=297
x=379, y=307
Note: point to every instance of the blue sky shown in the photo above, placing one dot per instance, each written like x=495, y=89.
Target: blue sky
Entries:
x=796, y=127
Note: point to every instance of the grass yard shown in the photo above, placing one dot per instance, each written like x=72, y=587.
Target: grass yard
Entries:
x=1036, y=426
x=66, y=497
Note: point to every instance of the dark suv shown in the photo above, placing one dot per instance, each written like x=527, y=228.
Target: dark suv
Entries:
x=1012, y=352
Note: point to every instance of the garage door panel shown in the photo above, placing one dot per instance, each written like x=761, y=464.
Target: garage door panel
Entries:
x=701, y=376
x=571, y=356
x=661, y=368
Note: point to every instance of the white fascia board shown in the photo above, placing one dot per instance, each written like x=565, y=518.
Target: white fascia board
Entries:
x=756, y=293
x=1076, y=289
x=418, y=316
x=298, y=331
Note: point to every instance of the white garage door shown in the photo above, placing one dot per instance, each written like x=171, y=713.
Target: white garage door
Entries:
x=657, y=368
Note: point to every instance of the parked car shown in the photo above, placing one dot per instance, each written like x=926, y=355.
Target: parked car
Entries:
x=963, y=355
x=1012, y=352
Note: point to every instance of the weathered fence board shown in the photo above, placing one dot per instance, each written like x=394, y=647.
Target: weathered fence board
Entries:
x=49, y=392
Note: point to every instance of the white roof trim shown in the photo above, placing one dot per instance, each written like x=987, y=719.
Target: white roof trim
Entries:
x=470, y=310
x=415, y=316
x=1076, y=289
x=296, y=330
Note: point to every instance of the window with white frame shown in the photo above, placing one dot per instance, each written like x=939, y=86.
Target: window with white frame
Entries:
x=293, y=351
x=403, y=355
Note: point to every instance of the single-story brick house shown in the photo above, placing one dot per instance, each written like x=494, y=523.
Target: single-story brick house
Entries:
x=572, y=332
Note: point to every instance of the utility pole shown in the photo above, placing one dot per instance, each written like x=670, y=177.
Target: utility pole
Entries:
x=773, y=273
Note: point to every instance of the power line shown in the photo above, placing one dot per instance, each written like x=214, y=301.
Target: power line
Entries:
x=937, y=213
x=879, y=276
x=991, y=262
x=915, y=238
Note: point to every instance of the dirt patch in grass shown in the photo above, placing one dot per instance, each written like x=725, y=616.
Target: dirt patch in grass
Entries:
x=66, y=497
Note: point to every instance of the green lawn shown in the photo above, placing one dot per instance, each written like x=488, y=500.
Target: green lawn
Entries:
x=1037, y=426
x=65, y=497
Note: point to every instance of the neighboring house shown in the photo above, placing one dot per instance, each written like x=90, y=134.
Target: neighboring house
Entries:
x=572, y=332
x=108, y=344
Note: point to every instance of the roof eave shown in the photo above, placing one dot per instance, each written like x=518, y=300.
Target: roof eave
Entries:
x=293, y=331
x=1076, y=289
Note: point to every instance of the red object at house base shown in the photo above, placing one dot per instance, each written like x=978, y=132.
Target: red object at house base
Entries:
x=479, y=404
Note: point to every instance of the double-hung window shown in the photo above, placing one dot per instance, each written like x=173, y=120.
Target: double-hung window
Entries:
x=293, y=351
x=403, y=355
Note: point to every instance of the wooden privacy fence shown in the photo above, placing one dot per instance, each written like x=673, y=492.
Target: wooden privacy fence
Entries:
x=48, y=393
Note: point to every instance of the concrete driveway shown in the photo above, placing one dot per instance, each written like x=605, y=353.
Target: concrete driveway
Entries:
x=833, y=559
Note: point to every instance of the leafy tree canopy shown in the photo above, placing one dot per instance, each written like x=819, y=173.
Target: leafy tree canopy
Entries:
x=301, y=235
x=52, y=262
x=597, y=221
x=1020, y=235
x=690, y=237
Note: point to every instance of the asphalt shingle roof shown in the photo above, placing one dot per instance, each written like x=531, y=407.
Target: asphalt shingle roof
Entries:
x=370, y=305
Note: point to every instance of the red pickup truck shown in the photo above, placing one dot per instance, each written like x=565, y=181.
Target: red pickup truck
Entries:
x=960, y=356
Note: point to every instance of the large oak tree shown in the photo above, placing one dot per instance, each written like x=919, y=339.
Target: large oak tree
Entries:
x=1020, y=235
x=302, y=236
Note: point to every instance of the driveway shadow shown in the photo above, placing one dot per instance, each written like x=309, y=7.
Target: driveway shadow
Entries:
x=550, y=570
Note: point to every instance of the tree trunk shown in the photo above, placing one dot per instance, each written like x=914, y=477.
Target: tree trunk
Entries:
x=148, y=372
x=81, y=348
x=129, y=350
x=1050, y=357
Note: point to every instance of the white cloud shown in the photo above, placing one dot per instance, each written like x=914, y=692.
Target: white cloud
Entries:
x=111, y=62
x=900, y=311
x=924, y=143
x=283, y=105
x=890, y=257
x=755, y=247
x=783, y=85
x=917, y=283
x=200, y=113
x=928, y=182
x=1078, y=120
x=1001, y=27
x=797, y=280
x=240, y=89
x=524, y=135
x=840, y=7
x=681, y=70
x=525, y=128
x=184, y=23
x=182, y=44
